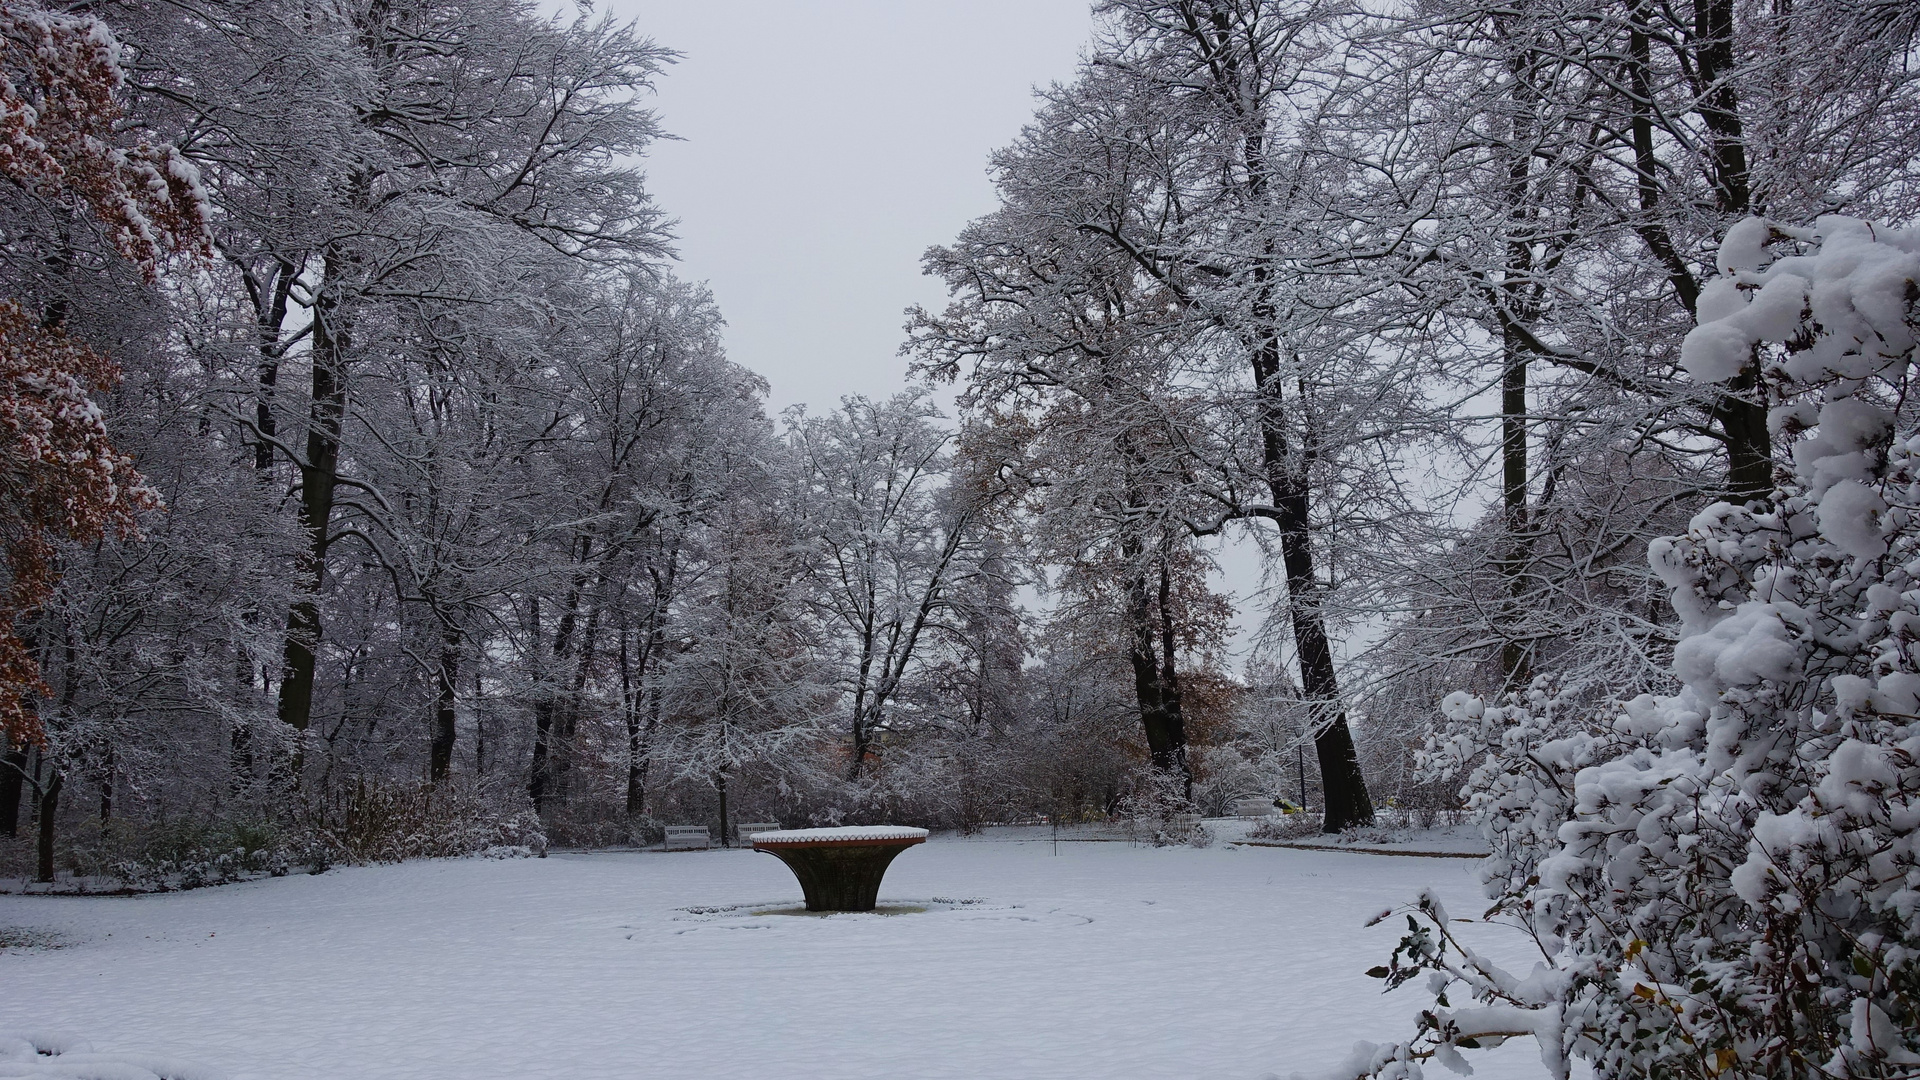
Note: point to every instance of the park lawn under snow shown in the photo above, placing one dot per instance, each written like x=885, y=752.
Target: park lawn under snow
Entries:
x=1104, y=960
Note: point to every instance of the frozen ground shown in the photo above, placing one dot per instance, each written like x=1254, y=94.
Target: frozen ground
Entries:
x=1105, y=960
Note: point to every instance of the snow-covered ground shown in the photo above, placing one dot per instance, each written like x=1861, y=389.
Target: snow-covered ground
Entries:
x=1101, y=960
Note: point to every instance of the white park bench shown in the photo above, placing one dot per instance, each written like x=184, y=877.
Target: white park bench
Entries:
x=743, y=833
x=688, y=838
x=1256, y=806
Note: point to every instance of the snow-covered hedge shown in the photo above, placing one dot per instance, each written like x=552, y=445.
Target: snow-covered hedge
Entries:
x=374, y=823
x=1726, y=881
x=395, y=822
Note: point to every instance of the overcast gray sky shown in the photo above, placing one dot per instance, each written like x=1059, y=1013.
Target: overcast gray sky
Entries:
x=826, y=144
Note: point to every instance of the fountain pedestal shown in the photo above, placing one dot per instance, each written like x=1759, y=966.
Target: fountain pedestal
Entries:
x=839, y=869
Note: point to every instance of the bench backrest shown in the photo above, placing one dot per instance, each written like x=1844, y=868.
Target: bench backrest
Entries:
x=688, y=836
x=745, y=830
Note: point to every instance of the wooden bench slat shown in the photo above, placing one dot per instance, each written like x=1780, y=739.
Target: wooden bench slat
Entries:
x=687, y=838
x=743, y=832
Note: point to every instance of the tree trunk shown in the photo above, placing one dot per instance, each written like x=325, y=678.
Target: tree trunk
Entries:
x=270, y=313
x=318, y=475
x=862, y=746
x=1156, y=689
x=1164, y=749
x=1736, y=408
x=447, y=677
x=635, y=688
x=567, y=719
x=636, y=803
x=49, y=810
x=903, y=639
x=862, y=736
x=1741, y=411
x=1517, y=294
x=1343, y=788
x=720, y=785
x=541, y=781
x=1172, y=700
x=106, y=788
x=642, y=685
x=1743, y=428
x=1515, y=654
x=240, y=765
x=479, y=737
x=13, y=766
x=1719, y=103
x=539, y=773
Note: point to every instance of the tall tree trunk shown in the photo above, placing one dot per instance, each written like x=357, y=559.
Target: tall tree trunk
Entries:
x=106, y=787
x=1344, y=790
x=1737, y=407
x=270, y=304
x=630, y=716
x=13, y=769
x=1515, y=654
x=567, y=722
x=639, y=764
x=1156, y=691
x=479, y=736
x=1743, y=428
x=318, y=475
x=870, y=702
x=1163, y=748
x=537, y=774
x=640, y=709
x=862, y=735
x=1516, y=293
x=720, y=785
x=1742, y=410
x=447, y=679
x=49, y=811
x=1172, y=699
x=546, y=709
x=1719, y=103
x=641, y=687
x=240, y=763
x=270, y=314
x=537, y=778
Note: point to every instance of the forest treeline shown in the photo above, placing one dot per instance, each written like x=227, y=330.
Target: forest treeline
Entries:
x=455, y=521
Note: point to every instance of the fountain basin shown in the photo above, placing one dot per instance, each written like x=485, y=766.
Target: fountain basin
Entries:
x=839, y=869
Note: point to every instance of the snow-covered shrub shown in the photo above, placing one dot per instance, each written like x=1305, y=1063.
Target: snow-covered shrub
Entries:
x=1725, y=881
x=586, y=824
x=391, y=822
x=180, y=853
x=1299, y=825
x=1153, y=809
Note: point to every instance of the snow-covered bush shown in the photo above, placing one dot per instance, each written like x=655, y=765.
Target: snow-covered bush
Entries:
x=1153, y=809
x=393, y=822
x=375, y=822
x=183, y=852
x=1726, y=881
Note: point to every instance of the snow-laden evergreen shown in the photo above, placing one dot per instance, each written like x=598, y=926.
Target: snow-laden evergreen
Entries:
x=1726, y=880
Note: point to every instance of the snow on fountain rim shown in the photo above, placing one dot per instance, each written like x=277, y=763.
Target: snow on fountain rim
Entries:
x=842, y=833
